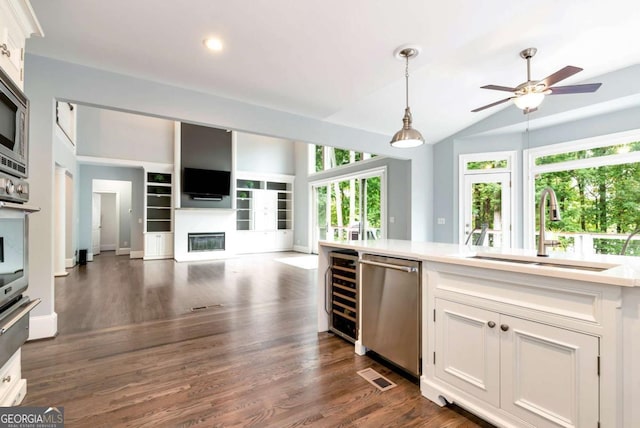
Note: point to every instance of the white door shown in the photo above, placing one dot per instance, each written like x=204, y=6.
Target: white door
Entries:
x=468, y=349
x=95, y=223
x=108, y=223
x=549, y=374
x=487, y=204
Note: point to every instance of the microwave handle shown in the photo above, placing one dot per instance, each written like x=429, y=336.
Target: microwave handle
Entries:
x=25, y=310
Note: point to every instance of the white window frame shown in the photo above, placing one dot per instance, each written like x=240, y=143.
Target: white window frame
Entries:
x=311, y=159
x=511, y=169
x=362, y=174
x=530, y=169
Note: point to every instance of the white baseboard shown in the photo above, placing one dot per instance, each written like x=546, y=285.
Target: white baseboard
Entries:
x=69, y=263
x=301, y=249
x=136, y=254
x=107, y=247
x=89, y=257
x=63, y=273
x=123, y=251
x=43, y=326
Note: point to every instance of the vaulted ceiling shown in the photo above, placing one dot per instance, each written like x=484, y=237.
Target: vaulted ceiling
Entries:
x=332, y=60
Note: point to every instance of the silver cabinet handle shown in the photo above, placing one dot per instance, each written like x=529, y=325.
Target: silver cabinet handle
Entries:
x=491, y=324
x=504, y=327
x=5, y=50
x=6, y=379
x=409, y=269
x=25, y=310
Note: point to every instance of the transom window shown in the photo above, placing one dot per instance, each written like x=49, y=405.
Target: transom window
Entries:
x=325, y=157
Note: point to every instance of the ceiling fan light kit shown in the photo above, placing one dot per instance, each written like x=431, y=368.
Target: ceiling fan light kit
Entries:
x=407, y=136
x=529, y=100
x=530, y=94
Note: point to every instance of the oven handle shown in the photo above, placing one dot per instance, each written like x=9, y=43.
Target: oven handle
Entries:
x=19, y=207
x=25, y=310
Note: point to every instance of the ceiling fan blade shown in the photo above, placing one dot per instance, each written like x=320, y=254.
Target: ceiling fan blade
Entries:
x=559, y=75
x=491, y=105
x=575, y=89
x=498, y=88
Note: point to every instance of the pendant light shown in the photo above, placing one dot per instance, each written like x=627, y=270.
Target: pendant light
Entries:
x=407, y=136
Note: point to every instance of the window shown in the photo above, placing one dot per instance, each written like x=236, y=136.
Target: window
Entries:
x=485, y=199
x=597, y=182
x=325, y=158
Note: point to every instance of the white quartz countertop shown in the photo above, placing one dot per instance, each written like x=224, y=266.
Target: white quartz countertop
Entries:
x=617, y=270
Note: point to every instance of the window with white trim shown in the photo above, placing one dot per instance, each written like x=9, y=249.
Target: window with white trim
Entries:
x=597, y=183
x=323, y=158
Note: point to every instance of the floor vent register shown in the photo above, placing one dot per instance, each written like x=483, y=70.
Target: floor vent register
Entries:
x=376, y=379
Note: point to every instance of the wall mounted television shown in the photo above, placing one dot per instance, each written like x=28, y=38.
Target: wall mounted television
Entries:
x=206, y=183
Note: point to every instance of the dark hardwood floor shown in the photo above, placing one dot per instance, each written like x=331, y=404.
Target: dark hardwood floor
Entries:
x=131, y=353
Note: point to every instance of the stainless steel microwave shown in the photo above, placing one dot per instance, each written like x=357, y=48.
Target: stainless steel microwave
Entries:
x=14, y=127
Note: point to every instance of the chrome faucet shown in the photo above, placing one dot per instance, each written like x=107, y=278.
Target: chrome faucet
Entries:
x=626, y=243
x=554, y=215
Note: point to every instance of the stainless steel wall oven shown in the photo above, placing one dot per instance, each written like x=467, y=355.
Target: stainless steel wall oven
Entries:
x=14, y=219
x=14, y=278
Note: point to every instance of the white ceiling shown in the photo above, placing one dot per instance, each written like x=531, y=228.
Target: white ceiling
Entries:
x=333, y=59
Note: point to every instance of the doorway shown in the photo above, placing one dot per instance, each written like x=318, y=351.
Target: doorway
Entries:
x=485, y=200
x=105, y=222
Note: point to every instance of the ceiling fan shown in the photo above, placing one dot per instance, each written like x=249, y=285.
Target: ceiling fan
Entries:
x=530, y=94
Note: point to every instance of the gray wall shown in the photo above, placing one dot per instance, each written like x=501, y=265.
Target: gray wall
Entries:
x=507, y=130
x=117, y=135
x=47, y=80
x=257, y=153
x=399, y=191
x=130, y=229
x=204, y=147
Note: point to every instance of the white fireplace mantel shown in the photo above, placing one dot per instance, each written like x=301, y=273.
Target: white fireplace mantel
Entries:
x=203, y=220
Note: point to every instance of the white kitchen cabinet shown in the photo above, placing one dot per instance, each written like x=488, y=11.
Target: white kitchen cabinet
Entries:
x=158, y=245
x=549, y=375
x=12, y=387
x=283, y=240
x=17, y=23
x=543, y=375
x=467, y=350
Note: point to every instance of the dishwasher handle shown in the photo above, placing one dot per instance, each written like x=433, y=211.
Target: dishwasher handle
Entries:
x=408, y=269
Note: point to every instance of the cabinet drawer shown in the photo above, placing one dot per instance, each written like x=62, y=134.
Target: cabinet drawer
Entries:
x=10, y=376
x=555, y=297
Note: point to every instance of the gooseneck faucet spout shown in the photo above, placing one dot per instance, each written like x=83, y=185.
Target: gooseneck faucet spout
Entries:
x=554, y=215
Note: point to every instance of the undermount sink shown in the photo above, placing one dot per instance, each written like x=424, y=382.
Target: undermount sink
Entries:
x=545, y=262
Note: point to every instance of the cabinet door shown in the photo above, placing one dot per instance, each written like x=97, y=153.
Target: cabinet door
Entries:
x=468, y=349
x=549, y=375
x=284, y=240
x=166, y=247
x=151, y=245
x=265, y=203
x=12, y=42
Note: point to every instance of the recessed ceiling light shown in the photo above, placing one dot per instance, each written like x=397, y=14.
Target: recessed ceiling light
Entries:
x=213, y=43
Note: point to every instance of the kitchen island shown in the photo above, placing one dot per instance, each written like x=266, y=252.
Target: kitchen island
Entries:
x=518, y=339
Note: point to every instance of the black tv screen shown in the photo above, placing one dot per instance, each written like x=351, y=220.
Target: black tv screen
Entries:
x=206, y=182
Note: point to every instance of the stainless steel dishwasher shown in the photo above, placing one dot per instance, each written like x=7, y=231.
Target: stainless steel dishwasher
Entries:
x=390, y=296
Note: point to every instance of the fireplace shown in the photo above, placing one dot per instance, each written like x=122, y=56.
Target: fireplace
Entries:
x=208, y=241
